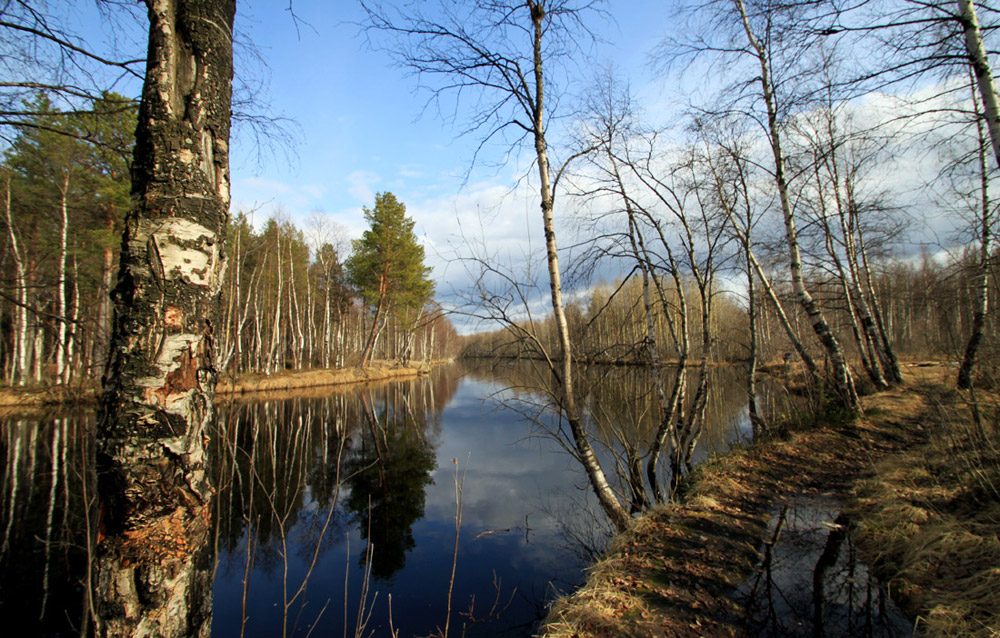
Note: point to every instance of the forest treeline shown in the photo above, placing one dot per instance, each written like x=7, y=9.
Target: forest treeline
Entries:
x=289, y=301
x=928, y=303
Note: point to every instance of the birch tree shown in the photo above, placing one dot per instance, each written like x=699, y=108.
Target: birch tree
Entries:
x=841, y=372
x=506, y=53
x=158, y=394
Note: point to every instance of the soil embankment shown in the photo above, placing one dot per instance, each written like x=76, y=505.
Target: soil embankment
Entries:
x=14, y=399
x=677, y=570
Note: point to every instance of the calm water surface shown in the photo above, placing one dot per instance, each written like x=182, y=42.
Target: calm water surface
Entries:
x=336, y=512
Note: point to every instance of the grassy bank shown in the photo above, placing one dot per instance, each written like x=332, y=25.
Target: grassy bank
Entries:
x=674, y=572
x=930, y=518
x=299, y=379
x=13, y=399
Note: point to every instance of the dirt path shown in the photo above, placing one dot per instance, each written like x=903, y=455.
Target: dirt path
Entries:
x=674, y=572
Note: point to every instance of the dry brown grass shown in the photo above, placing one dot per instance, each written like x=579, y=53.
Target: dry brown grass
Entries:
x=930, y=519
x=673, y=572
x=302, y=379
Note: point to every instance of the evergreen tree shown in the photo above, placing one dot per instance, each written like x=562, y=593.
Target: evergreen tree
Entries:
x=387, y=266
x=66, y=181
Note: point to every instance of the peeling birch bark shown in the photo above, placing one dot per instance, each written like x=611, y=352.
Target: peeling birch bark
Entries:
x=157, y=401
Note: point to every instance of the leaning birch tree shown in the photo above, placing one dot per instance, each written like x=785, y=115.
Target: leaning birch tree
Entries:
x=762, y=33
x=759, y=49
x=503, y=51
x=980, y=64
x=159, y=387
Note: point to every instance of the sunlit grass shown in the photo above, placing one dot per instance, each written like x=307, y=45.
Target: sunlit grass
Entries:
x=930, y=519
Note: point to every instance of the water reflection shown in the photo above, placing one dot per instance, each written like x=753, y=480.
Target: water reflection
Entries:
x=329, y=502
x=810, y=582
x=388, y=473
x=622, y=412
x=46, y=523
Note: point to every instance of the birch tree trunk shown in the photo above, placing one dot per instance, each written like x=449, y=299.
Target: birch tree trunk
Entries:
x=987, y=92
x=743, y=235
x=155, y=515
x=841, y=372
x=61, y=283
x=605, y=495
x=99, y=352
x=72, y=321
x=756, y=421
x=273, y=353
x=298, y=340
x=19, y=370
x=850, y=226
x=981, y=68
x=982, y=291
x=856, y=312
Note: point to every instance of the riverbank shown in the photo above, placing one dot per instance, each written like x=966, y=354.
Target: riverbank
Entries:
x=13, y=399
x=675, y=572
x=301, y=379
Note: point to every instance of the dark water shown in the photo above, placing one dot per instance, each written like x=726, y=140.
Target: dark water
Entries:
x=336, y=512
x=810, y=581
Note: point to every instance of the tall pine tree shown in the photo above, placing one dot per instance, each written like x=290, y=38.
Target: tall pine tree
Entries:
x=387, y=266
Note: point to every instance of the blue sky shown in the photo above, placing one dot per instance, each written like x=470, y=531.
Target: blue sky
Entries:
x=361, y=129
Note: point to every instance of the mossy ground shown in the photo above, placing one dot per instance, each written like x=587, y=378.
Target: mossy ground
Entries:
x=674, y=572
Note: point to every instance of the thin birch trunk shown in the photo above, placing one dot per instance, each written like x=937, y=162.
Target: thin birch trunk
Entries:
x=276, y=352
x=877, y=314
x=72, y=323
x=980, y=63
x=61, y=282
x=605, y=495
x=298, y=339
x=38, y=349
x=869, y=359
x=880, y=349
x=841, y=372
x=310, y=321
x=19, y=370
x=744, y=238
x=981, y=302
x=99, y=351
x=231, y=333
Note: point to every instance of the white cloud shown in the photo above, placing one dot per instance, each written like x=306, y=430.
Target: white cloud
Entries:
x=314, y=190
x=411, y=171
x=360, y=185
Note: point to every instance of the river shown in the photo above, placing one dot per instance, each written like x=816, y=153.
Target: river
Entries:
x=336, y=509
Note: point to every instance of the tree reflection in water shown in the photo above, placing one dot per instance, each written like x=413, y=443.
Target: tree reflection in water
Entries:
x=810, y=583
x=388, y=473
x=46, y=523
x=306, y=482
x=621, y=413
x=282, y=467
